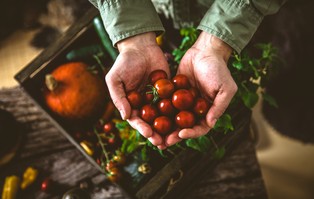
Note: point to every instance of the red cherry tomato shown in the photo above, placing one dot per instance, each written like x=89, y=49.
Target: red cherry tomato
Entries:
x=185, y=119
x=157, y=75
x=164, y=88
x=182, y=99
x=120, y=159
x=165, y=107
x=194, y=92
x=162, y=125
x=181, y=81
x=114, y=175
x=201, y=107
x=109, y=127
x=135, y=99
x=47, y=185
x=109, y=165
x=112, y=140
x=149, y=113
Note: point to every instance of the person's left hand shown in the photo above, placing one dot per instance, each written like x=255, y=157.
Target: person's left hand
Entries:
x=205, y=65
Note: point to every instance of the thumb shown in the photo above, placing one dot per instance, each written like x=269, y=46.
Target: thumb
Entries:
x=118, y=96
x=218, y=107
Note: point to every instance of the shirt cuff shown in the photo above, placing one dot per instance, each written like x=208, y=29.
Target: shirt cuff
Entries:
x=125, y=18
x=234, y=22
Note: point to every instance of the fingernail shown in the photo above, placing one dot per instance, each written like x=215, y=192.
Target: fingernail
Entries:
x=122, y=113
x=161, y=147
x=181, y=134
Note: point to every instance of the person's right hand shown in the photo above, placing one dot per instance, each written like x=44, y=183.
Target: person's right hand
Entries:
x=139, y=56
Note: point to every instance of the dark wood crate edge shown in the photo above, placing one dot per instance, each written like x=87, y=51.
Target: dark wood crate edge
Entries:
x=52, y=51
x=24, y=75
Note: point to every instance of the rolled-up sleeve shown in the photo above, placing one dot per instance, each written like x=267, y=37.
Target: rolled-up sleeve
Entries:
x=126, y=18
x=236, y=21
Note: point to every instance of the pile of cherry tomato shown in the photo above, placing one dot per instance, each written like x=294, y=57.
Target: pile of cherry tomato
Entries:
x=169, y=104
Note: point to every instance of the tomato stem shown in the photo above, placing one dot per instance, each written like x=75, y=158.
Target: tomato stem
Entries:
x=51, y=82
x=213, y=141
x=153, y=91
x=102, y=145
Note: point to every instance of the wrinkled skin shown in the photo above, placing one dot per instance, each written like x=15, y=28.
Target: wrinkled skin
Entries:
x=139, y=56
x=205, y=65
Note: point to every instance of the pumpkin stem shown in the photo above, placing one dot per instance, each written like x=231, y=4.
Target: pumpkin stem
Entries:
x=51, y=82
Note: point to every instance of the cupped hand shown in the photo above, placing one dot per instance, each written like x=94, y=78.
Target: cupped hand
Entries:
x=205, y=64
x=139, y=56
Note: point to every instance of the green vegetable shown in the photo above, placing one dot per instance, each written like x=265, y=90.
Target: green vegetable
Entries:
x=85, y=52
x=106, y=42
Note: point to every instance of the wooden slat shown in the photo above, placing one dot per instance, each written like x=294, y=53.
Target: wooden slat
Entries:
x=46, y=149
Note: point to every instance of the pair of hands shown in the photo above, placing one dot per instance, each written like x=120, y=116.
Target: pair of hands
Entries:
x=205, y=64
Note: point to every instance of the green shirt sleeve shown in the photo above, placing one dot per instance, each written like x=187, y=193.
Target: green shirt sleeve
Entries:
x=235, y=21
x=126, y=18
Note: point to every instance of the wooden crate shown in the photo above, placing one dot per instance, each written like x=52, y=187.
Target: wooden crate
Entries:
x=171, y=175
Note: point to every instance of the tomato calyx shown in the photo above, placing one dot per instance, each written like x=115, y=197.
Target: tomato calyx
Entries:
x=153, y=90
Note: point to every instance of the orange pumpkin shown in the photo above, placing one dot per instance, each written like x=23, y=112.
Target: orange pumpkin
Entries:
x=75, y=93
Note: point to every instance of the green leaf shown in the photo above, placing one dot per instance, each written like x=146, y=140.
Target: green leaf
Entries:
x=161, y=152
x=192, y=143
x=185, y=41
x=256, y=73
x=224, y=124
x=201, y=144
x=249, y=99
x=220, y=152
x=178, y=54
x=270, y=100
x=131, y=147
x=144, y=154
x=184, y=32
x=122, y=125
x=124, y=146
x=237, y=64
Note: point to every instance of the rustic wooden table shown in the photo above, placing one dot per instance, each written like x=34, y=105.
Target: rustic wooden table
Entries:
x=237, y=176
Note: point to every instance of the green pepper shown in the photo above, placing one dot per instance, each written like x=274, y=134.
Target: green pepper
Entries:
x=29, y=177
x=11, y=187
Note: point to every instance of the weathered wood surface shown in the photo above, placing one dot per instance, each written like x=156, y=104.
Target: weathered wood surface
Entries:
x=44, y=147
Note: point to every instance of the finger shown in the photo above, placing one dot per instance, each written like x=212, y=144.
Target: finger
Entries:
x=118, y=95
x=138, y=124
x=195, y=132
x=172, y=138
x=161, y=147
x=219, y=105
x=156, y=139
